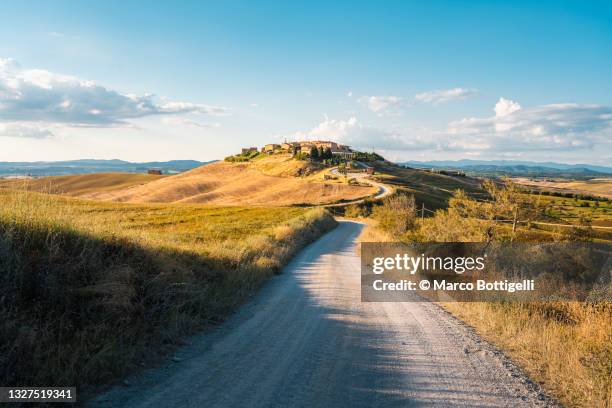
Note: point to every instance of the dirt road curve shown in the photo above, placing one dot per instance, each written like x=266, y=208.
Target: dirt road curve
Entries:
x=383, y=190
x=306, y=340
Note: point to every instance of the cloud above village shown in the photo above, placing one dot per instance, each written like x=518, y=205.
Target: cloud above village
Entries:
x=512, y=130
x=391, y=105
x=381, y=104
x=185, y=121
x=445, y=95
x=37, y=104
x=553, y=127
x=38, y=96
x=363, y=137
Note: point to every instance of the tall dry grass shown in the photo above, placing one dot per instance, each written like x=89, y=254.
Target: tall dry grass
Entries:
x=88, y=290
x=566, y=346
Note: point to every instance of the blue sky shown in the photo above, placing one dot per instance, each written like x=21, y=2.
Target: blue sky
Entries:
x=413, y=80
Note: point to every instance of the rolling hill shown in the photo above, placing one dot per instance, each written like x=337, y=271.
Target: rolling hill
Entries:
x=81, y=184
x=433, y=190
x=277, y=180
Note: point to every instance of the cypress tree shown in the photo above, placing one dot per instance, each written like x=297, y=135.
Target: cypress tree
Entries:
x=314, y=154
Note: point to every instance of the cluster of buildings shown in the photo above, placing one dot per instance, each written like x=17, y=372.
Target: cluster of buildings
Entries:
x=155, y=170
x=343, y=151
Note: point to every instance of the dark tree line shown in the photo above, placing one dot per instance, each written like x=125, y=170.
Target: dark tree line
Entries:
x=320, y=154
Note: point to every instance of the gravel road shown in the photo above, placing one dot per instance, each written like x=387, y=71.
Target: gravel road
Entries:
x=306, y=340
x=383, y=190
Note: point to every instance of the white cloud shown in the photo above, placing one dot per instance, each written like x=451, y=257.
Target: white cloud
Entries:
x=333, y=128
x=32, y=131
x=362, y=137
x=182, y=121
x=505, y=107
x=34, y=95
x=379, y=104
x=565, y=130
x=349, y=94
x=444, y=95
x=554, y=127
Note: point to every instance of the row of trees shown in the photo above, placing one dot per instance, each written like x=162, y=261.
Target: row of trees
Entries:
x=469, y=220
x=320, y=154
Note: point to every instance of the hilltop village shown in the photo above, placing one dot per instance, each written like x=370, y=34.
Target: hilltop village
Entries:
x=320, y=148
x=319, y=152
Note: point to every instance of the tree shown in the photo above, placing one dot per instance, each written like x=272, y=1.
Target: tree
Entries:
x=314, y=153
x=470, y=220
x=327, y=154
x=510, y=203
x=465, y=220
x=301, y=156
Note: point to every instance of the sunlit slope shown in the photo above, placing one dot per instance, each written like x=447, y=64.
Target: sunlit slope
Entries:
x=430, y=189
x=599, y=186
x=81, y=184
x=269, y=181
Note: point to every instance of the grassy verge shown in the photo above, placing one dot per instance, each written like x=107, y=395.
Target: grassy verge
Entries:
x=565, y=346
x=89, y=289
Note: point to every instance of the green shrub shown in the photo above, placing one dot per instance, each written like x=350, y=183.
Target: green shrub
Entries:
x=397, y=214
x=242, y=157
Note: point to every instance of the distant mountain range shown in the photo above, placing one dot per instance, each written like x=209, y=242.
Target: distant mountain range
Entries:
x=59, y=168
x=516, y=168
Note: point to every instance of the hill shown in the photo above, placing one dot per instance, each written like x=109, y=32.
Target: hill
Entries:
x=81, y=184
x=276, y=180
x=432, y=190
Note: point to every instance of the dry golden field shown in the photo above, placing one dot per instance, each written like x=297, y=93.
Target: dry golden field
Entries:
x=81, y=184
x=277, y=180
x=89, y=290
x=565, y=346
x=597, y=187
